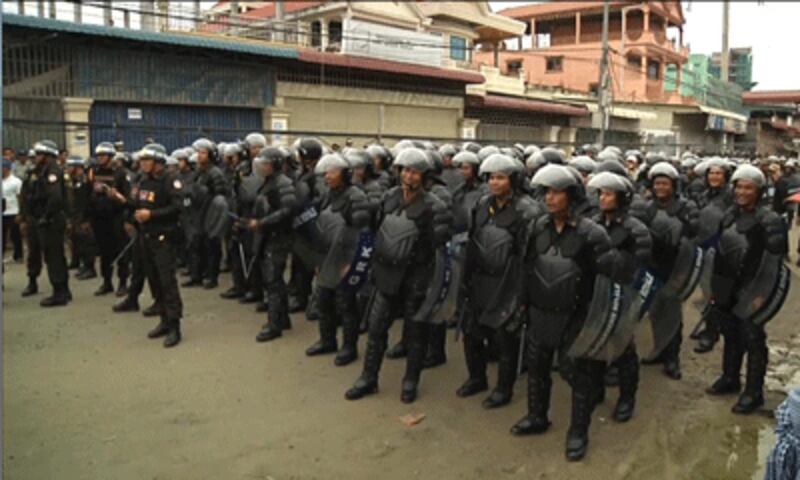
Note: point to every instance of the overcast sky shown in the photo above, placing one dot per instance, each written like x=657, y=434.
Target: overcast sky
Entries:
x=770, y=29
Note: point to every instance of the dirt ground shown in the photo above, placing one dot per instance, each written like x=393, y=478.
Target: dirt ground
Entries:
x=87, y=395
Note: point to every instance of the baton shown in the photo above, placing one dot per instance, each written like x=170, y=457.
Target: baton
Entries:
x=521, y=355
x=242, y=259
x=125, y=249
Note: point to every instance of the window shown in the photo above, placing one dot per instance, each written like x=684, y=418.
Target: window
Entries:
x=542, y=40
x=634, y=61
x=653, y=69
x=458, y=48
x=513, y=67
x=555, y=64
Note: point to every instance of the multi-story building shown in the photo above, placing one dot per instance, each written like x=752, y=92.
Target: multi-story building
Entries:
x=562, y=47
x=740, y=67
x=773, y=128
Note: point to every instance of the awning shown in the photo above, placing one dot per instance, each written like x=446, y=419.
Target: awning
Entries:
x=621, y=112
x=525, y=104
x=722, y=113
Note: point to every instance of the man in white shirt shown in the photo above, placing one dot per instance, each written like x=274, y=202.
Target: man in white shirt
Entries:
x=12, y=187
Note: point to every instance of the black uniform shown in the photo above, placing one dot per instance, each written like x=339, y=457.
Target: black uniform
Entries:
x=402, y=267
x=157, y=193
x=45, y=200
x=240, y=244
x=106, y=217
x=273, y=243
x=497, y=240
x=633, y=243
x=679, y=215
x=560, y=270
x=33, y=262
x=747, y=239
x=81, y=235
x=206, y=252
x=343, y=214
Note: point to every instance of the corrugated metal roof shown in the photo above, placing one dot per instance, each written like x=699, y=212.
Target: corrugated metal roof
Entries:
x=151, y=37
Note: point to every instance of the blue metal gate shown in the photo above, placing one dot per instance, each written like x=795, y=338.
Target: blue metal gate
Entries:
x=174, y=126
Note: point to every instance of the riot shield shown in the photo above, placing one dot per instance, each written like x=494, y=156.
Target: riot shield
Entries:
x=662, y=323
x=602, y=319
x=686, y=270
x=217, y=220
x=437, y=290
x=340, y=254
x=763, y=297
x=636, y=298
x=458, y=253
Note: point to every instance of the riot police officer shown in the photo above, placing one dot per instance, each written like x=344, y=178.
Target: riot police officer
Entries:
x=110, y=186
x=497, y=240
x=308, y=189
x=208, y=182
x=749, y=285
x=45, y=201
x=631, y=239
x=672, y=220
x=713, y=201
x=81, y=236
x=155, y=208
x=451, y=175
x=343, y=214
x=413, y=224
x=382, y=161
x=272, y=240
x=564, y=255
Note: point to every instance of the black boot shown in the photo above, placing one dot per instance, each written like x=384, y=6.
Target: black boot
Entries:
x=161, y=330
x=730, y=381
x=127, y=305
x=753, y=396
x=506, y=371
x=578, y=433
x=105, y=288
x=262, y=307
x=231, y=293
x=327, y=335
x=32, y=288
x=86, y=274
x=312, y=309
x=192, y=282
x=611, y=378
x=276, y=323
x=536, y=421
x=349, y=351
x=417, y=345
x=367, y=383
x=122, y=288
x=250, y=297
x=628, y=369
x=400, y=349
x=436, y=339
x=152, y=311
x=174, y=335
x=475, y=356
x=58, y=299
x=297, y=305
x=210, y=283
x=671, y=356
x=539, y=361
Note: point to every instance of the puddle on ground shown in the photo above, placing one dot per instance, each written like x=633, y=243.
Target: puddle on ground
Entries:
x=705, y=446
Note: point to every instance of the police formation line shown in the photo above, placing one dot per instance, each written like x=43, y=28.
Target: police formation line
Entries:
x=534, y=259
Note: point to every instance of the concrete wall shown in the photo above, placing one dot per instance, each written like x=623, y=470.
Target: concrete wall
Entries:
x=359, y=111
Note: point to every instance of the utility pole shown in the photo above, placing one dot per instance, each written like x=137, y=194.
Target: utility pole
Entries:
x=725, y=56
x=602, y=86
